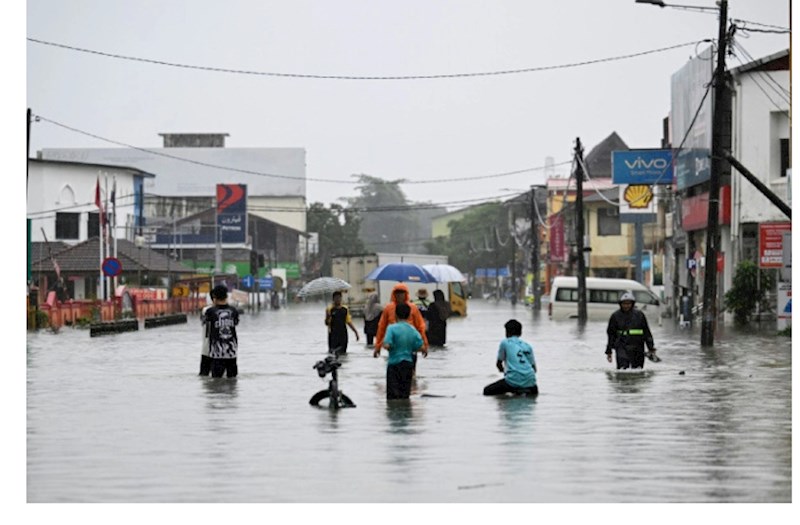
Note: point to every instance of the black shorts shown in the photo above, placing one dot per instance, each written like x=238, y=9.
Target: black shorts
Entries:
x=398, y=380
x=630, y=358
x=205, y=365
x=500, y=387
x=227, y=366
x=337, y=342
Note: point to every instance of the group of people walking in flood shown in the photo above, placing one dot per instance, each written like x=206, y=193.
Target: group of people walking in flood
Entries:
x=405, y=328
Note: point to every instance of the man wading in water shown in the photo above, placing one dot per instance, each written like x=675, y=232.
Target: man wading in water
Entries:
x=628, y=332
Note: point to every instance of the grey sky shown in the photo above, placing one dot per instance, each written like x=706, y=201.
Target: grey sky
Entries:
x=413, y=129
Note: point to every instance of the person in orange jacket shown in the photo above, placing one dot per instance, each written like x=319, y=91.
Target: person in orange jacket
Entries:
x=400, y=295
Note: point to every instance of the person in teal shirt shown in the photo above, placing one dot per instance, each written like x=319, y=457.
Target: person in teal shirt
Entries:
x=402, y=341
x=515, y=360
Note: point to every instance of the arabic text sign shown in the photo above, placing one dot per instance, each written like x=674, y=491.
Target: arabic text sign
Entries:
x=652, y=166
x=232, y=213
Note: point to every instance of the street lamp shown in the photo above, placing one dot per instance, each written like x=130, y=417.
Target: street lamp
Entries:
x=660, y=3
x=717, y=156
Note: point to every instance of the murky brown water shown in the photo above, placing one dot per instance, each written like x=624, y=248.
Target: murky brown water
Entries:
x=125, y=418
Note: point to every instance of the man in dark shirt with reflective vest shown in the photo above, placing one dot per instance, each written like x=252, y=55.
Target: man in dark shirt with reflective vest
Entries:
x=628, y=333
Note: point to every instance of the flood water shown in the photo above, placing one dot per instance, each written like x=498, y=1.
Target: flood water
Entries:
x=125, y=418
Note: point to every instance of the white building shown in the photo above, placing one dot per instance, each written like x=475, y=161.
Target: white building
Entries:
x=61, y=199
x=760, y=141
x=190, y=166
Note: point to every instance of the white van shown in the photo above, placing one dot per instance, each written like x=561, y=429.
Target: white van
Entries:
x=602, y=296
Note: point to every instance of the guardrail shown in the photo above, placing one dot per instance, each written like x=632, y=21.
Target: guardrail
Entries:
x=56, y=314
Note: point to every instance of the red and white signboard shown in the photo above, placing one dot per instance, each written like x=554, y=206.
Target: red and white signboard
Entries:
x=558, y=246
x=770, y=243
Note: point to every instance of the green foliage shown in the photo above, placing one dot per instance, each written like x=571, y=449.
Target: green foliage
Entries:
x=746, y=294
x=480, y=239
x=83, y=322
x=338, y=234
x=388, y=223
x=787, y=332
x=42, y=321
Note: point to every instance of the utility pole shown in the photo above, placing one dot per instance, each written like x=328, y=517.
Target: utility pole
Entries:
x=514, y=286
x=535, y=252
x=28, y=153
x=717, y=156
x=217, y=245
x=582, y=315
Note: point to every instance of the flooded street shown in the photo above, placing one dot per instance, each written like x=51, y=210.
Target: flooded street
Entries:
x=125, y=418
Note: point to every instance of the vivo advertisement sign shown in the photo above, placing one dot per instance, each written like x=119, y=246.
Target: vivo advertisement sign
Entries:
x=644, y=166
x=232, y=213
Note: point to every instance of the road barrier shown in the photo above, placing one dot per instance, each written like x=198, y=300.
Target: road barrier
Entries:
x=164, y=320
x=113, y=327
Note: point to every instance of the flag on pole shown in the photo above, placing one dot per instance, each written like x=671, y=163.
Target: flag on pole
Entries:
x=108, y=227
x=98, y=201
x=114, y=193
x=113, y=211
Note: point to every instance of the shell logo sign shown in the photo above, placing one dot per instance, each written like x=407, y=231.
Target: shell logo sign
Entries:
x=636, y=198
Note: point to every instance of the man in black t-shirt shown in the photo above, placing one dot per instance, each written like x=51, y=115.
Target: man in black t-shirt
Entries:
x=221, y=320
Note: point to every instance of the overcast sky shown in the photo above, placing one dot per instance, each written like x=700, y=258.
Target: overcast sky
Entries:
x=420, y=129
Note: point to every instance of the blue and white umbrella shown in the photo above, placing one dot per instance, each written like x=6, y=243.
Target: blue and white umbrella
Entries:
x=401, y=272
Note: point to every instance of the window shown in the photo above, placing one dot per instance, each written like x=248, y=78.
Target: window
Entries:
x=645, y=297
x=93, y=225
x=67, y=225
x=785, y=163
x=567, y=294
x=603, y=296
x=608, y=222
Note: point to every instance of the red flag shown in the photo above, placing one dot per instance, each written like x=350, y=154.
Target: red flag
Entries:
x=99, y=203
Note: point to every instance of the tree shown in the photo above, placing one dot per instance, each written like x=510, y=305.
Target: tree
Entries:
x=387, y=224
x=746, y=293
x=338, y=234
x=480, y=239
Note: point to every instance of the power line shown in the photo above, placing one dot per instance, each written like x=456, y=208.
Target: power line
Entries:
x=359, y=209
x=353, y=77
x=265, y=174
x=773, y=84
x=781, y=28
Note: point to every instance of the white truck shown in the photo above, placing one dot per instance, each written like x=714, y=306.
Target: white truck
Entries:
x=354, y=268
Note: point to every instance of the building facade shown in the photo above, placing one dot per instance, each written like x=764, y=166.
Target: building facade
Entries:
x=61, y=199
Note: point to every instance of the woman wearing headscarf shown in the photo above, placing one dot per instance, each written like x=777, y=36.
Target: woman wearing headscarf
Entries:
x=372, y=315
x=438, y=312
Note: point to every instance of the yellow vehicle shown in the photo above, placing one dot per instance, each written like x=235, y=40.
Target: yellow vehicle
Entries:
x=458, y=298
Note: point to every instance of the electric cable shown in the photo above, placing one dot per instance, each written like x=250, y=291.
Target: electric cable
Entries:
x=354, y=77
x=264, y=174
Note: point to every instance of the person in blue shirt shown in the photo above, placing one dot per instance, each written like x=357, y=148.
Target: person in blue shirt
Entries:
x=515, y=360
x=402, y=340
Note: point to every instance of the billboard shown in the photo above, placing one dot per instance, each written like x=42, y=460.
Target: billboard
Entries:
x=688, y=87
x=232, y=213
x=642, y=166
